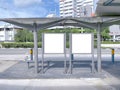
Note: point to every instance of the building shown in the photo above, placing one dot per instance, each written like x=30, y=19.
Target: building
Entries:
x=7, y=32
x=76, y=8
x=115, y=32
x=51, y=15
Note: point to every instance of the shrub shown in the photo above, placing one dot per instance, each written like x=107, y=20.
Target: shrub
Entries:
x=20, y=45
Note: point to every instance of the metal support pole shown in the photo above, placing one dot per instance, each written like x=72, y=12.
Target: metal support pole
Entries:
x=65, y=61
x=70, y=53
x=35, y=47
x=113, y=54
x=43, y=53
x=93, y=62
x=114, y=38
x=4, y=33
x=99, y=48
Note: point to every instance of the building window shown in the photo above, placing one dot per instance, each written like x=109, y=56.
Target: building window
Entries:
x=7, y=29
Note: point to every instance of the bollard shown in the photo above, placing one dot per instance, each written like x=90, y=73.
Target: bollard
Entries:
x=71, y=63
x=31, y=54
x=113, y=54
x=72, y=57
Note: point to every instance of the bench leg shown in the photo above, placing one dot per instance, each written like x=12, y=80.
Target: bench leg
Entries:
x=28, y=65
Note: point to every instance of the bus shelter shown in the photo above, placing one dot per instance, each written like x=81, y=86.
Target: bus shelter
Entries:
x=35, y=24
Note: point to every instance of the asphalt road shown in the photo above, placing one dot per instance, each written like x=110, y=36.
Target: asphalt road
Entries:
x=22, y=51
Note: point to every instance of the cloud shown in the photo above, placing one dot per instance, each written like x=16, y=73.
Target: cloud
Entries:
x=27, y=8
x=24, y=3
x=17, y=13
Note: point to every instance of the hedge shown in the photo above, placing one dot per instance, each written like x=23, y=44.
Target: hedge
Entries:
x=30, y=44
x=19, y=45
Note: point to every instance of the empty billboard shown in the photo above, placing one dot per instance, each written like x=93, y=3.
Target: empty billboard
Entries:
x=81, y=43
x=54, y=43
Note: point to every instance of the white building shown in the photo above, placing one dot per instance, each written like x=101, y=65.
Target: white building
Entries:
x=50, y=15
x=115, y=32
x=76, y=8
x=7, y=32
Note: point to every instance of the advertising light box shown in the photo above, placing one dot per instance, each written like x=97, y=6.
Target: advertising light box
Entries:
x=54, y=43
x=81, y=43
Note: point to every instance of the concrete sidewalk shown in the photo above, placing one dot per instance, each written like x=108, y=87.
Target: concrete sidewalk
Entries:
x=55, y=84
x=14, y=75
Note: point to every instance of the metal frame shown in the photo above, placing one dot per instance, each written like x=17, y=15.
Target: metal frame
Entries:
x=43, y=43
x=99, y=48
x=39, y=23
x=91, y=42
x=93, y=60
x=54, y=33
x=42, y=53
x=71, y=54
x=35, y=47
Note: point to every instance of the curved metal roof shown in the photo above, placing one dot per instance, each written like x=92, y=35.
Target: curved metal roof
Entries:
x=90, y=22
x=108, y=8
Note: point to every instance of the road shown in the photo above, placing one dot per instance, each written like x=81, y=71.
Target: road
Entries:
x=22, y=51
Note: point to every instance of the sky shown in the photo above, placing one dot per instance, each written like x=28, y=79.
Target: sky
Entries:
x=28, y=8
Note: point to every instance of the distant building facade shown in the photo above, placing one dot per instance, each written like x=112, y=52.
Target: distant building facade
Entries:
x=76, y=8
x=115, y=32
x=7, y=32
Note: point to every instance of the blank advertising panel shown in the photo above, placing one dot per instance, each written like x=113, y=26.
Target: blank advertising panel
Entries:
x=81, y=43
x=53, y=43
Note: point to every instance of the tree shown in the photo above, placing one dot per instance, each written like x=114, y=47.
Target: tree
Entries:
x=24, y=36
x=105, y=34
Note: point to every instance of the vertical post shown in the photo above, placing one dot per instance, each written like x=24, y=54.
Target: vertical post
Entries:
x=114, y=38
x=70, y=52
x=13, y=34
x=93, y=62
x=65, y=61
x=35, y=47
x=42, y=53
x=4, y=33
x=113, y=54
x=99, y=48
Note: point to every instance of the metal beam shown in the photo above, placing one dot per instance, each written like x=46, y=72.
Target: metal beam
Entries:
x=99, y=48
x=28, y=26
x=35, y=47
x=108, y=2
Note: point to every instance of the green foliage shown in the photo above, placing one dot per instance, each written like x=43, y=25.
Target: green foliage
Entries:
x=29, y=45
x=20, y=45
x=24, y=36
x=105, y=34
x=27, y=36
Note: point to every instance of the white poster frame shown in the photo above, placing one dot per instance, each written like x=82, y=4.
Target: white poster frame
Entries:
x=91, y=43
x=64, y=51
x=64, y=43
x=72, y=54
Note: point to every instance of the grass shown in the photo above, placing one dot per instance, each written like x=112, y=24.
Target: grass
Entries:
x=110, y=42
